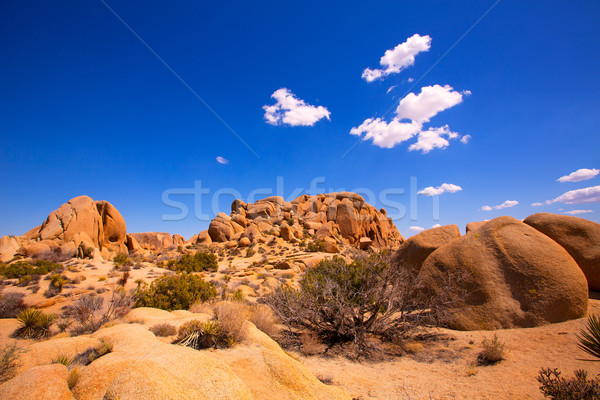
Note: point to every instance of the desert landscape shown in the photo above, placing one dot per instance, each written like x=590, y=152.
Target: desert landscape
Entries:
x=112, y=331
x=299, y=200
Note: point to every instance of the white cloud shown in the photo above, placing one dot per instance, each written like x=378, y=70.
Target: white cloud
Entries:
x=436, y=226
x=384, y=134
x=433, y=138
x=443, y=188
x=465, y=139
x=431, y=101
x=506, y=204
x=416, y=228
x=579, y=175
x=293, y=111
x=585, y=195
x=537, y=204
x=398, y=58
x=390, y=89
x=577, y=212
x=411, y=80
x=222, y=160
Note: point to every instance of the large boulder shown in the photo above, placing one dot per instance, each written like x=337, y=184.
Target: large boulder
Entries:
x=153, y=240
x=504, y=275
x=113, y=228
x=220, y=229
x=580, y=237
x=8, y=247
x=413, y=252
x=46, y=382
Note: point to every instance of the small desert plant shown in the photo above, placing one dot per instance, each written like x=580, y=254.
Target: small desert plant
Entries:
x=57, y=282
x=90, y=311
x=589, y=339
x=203, y=335
x=9, y=362
x=121, y=259
x=73, y=378
x=34, y=324
x=250, y=252
x=175, y=292
x=579, y=387
x=316, y=246
x=11, y=304
x=231, y=317
x=238, y=295
x=105, y=347
x=493, y=351
x=263, y=318
x=164, y=329
x=63, y=359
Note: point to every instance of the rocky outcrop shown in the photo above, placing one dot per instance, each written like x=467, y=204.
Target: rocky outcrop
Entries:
x=580, y=237
x=506, y=274
x=155, y=241
x=336, y=218
x=81, y=223
x=39, y=383
x=413, y=252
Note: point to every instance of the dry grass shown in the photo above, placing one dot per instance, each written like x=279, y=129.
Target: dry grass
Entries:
x=74, y=376
x=202, y=307
x=263, y=318
x=164, y=330
x=311, y=344
x=231, y=317
x=493, y=351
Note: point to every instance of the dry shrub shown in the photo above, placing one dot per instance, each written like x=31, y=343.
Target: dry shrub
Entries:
x=579, y=387
x=231, y=317
x=11, y=304
x=9, y=362
x=202, y=307
x=493, y=351
x=311, y=344
x=74, y=376
x=263, y=318
x=164, y=330
x=90, y=311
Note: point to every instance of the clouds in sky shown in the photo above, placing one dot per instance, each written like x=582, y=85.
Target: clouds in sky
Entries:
x=290, y=110
x=418, y=109
x=222, y=160
x=443, y=188
x=577, y=212
x=579, y=196
x=398, y=58
x=579, y=175
x=506, y=204
x=431, y=101
x=416, y=228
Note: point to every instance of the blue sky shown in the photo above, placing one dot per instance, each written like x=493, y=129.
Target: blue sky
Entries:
x=86, y=108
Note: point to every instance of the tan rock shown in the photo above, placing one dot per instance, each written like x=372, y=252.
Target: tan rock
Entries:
x=413, y=252
x=8, y=247
x=364, y=243
x=286, y=232
x=580, y=237
x=513, y=275
x=204, y=238
x=153, y=240
x=47, y=382
x=244, y=242
x=178, y=240
x=220, y=229
x=132, y=244
x=472, y=226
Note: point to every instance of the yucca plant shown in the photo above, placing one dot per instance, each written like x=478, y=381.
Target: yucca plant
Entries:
x=63, y=359
x=200, y=335
x=589, y=338
x=34, y=323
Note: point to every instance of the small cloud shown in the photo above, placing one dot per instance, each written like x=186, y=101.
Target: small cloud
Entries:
x=579, y=196
x=416, y=228
x=465, y=139
x=410, y=80
x=579, y=175
x=398, y=58
x=577, y=212
x=436, y=226
x=433, y=138
x=443, y=188
x=537, y=204
x=428, y=103
x=222, y=160
x=390, y=89
x=293, y=111
x=506, y=204
x=384, y=134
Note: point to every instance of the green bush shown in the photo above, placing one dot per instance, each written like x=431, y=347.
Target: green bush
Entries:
x=34, y=324
x=316, y=246
x=121, y=259
x=22, y=268
x=579, y=387
x=198, y=262
x=175, y=292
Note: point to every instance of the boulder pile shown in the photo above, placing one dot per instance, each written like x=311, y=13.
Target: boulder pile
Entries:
x=336, y=219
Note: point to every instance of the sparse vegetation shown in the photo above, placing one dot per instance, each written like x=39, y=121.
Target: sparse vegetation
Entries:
x=346, y=303
x=63, y=359
x=316, y=246
x=175, y=292
x=164, y=329
x=121, y=259
x=73, y=378
x=90, y=311
x=20, y=269
x=9, y=362
x=203, y=335
x=556, y=387
x=492, y=353
x=201, y=261
x=34, y=324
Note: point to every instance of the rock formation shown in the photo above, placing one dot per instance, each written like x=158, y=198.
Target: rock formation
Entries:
x=335, y=218
x=509, y=275
x=413, y=252
x=580, y=237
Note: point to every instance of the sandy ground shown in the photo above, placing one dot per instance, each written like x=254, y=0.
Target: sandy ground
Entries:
x=419, y=377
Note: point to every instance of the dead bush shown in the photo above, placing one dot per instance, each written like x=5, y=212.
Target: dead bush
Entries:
x=231, y=316
x=9, y=362
x=90, y=311
x=492, y=353
x=11, y=304
x=164, y=330
x=263, y=318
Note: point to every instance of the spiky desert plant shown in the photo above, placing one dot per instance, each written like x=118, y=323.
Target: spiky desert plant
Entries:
x=589, y=338
x=63, y=359
x=34, y=323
